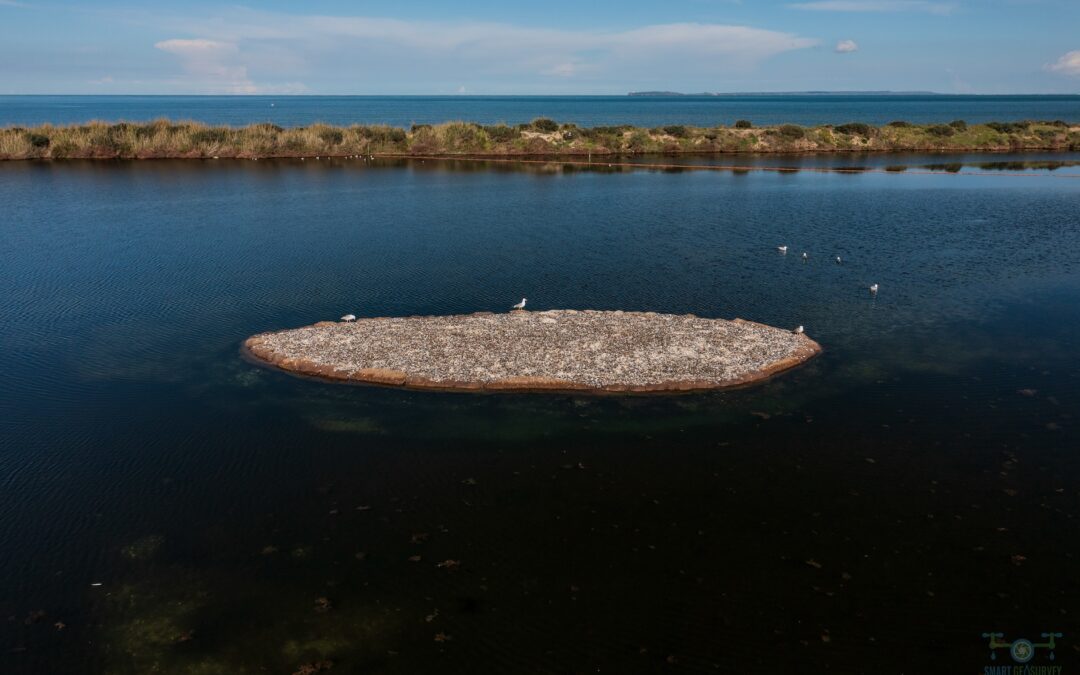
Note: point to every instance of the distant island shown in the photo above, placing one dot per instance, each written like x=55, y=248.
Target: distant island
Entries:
x=541, y=138
x=790, y=93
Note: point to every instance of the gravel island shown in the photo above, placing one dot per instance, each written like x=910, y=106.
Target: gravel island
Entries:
x=557, y=350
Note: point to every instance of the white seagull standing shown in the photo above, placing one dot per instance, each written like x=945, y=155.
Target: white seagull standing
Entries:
x=520, y=305
x=782, y=249
x=873, y=289
x=349, y=317
x=799, y=330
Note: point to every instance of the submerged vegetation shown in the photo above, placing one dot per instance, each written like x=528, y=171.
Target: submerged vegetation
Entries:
x=542, y=136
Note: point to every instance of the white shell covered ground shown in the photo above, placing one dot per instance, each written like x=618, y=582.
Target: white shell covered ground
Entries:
x=558, y=350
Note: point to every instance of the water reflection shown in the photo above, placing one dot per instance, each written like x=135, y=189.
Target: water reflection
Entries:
x=882, y=506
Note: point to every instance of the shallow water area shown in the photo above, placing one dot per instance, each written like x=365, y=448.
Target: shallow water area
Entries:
x=876, y=510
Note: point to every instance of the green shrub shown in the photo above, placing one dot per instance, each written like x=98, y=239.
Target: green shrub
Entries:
x=216, y=135
x=1008, y=127
x=744, y=124
x=62, y=149
x=638, y=141
x=418, y=127
x=500, y=133
x=38, y=140
x=940, y=130
x=901, y=124
x=959, y=125
x=856, y=128
x=611, y=131
x=463, y=137
x=676, y=130
x=383, y=134
x=544, y=124
x=792, y=132
x=331, y=136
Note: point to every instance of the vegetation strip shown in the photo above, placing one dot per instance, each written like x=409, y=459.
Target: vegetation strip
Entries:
x=541, y=137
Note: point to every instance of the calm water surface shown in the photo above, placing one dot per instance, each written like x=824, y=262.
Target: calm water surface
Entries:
x=874, y=511
x=582, y=110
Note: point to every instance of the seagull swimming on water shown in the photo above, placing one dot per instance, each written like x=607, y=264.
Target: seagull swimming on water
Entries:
x=349, y=317
x=805, y=255
x=520, y=305
x=799, y=330
x=873, y=289
x=838, y=261
x=782, y=249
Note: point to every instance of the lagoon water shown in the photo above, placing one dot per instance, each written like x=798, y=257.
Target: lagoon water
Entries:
x=589, y=111
x=875, y=511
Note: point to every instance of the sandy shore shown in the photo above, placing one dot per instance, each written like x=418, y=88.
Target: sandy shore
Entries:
x=558, y=350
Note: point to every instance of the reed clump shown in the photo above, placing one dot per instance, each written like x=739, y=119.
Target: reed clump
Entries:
x=165, y=138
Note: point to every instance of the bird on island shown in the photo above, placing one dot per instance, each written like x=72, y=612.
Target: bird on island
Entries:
x=348, y=317
x=782, y=249
x=520, y=305
x=799, y=330
x=873, y=289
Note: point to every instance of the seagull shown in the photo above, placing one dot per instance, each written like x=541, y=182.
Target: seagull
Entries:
x=799, y=330
x=349, y=317
x=873, y=289
x=782, y=249
x=805, y=256
x=520, y=305
x=838, y=261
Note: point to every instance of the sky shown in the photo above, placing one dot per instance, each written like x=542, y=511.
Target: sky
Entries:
x=538, y=47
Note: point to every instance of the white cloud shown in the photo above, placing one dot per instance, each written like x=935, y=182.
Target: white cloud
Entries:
x=568, y=69
x=217, y=67
x=846, y=47
x=242, y=46
x=877, y=6
x=1069, y=63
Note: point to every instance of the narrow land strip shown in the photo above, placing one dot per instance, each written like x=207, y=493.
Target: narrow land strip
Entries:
x=541, y=137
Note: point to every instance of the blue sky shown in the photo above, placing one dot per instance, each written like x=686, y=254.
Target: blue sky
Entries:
x=538, y=47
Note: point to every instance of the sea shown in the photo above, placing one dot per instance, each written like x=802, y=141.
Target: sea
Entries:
x=169, y=506
x=646, y=111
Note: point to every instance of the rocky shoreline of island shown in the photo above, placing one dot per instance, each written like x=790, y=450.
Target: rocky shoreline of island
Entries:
x=161, y=139
x=585, y=351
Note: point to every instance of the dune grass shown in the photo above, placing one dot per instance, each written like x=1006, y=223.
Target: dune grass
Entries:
x=164, y=138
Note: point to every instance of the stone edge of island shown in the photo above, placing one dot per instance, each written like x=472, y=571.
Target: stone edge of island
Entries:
x=253, y=348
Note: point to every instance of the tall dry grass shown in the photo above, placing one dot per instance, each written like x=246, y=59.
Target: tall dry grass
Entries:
x=188, y=139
